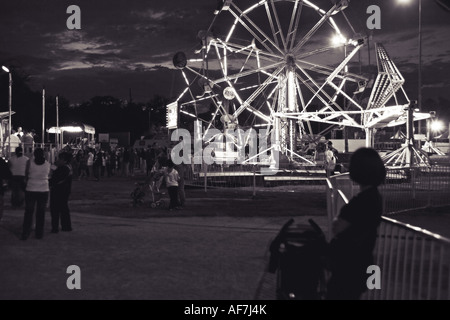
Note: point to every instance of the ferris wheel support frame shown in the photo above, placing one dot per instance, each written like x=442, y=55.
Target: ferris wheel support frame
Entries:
x=283, y=76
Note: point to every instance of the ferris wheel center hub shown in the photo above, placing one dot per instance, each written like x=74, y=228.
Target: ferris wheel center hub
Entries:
x=290, y=60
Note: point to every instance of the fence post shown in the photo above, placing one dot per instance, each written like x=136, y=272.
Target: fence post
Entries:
x=330, y=207
x=205, y=178
x=429, y=186
x=254, y=181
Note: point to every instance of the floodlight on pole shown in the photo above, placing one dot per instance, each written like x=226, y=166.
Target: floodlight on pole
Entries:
x=437, y=126
x=10, y=109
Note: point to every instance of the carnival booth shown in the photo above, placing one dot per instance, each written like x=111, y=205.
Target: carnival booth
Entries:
x=4, y=135
x=76, y=135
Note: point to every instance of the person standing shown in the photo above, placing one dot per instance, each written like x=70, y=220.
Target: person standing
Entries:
x=330, y=161
x=126, y=162
x=103, y=168
x=28, y=143
x=119, y=160
x=319, y=154
x=143, y=166
x=355, y=229
x=338, y=166
x=132, y=162
x=84, y=171
x=108, y=163
x=19, y=133
x=181, y=168
x=17, y=165
x=76, y=160
x=60, y=187
x=113, y=162
x=36, y=193
x=98, y=162
x=149, y=159
x=90, y=164
x=5, y=175
x=172, y=179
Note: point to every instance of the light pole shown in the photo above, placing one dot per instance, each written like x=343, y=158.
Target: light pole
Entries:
x=58, y=134
x=10, y=109
x=419, y=98
x=43, y=117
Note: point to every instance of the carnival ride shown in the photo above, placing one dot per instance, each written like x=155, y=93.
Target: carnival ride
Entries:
x=79, y=134
x=286, y=66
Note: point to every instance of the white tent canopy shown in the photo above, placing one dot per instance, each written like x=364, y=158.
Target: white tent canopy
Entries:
x=73, y=128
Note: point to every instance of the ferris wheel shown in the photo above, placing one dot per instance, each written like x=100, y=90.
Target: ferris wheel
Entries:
x=279, y=65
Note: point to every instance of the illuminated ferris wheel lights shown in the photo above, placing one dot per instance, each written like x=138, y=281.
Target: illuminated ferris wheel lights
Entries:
x=338, y=40
x=437, y=126
x=189, y=114
x=312, y=5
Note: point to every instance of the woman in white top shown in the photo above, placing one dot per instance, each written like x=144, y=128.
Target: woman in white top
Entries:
x=18, y=164
x=36, y=193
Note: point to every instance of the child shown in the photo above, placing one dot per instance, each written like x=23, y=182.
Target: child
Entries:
x=172, y=179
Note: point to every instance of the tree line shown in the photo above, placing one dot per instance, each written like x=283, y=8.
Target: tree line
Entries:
x=105, y=113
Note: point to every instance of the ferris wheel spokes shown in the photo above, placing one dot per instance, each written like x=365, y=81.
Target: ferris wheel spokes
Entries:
x=246, y=104
x=262, y=38
x=274, y=72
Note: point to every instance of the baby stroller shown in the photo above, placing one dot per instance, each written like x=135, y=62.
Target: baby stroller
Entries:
x=297, y=256
x=142, y=189
x=139, y=193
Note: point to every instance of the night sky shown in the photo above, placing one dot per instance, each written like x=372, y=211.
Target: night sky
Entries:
x=130, y=44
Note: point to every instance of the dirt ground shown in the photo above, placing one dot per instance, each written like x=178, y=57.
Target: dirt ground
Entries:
x=214, y=249
x=111, y=196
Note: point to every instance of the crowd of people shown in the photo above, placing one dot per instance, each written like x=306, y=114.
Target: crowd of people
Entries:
x=34, y=180
x=95, y=163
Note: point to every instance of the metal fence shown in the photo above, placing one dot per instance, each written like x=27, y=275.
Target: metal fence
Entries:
x=414, y=263
x=237, y=176
x=407, y=189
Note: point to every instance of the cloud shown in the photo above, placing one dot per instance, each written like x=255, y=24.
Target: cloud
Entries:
x=73, y=65
x=153, y=14
x=436, y=85
x=81, y=42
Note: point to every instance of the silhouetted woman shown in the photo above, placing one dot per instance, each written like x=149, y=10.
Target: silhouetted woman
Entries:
x=355, y=228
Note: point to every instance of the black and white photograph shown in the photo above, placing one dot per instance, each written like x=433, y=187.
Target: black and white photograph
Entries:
x=229, y=155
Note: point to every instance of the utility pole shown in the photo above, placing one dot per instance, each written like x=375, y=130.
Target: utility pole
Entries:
x=43, y=117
